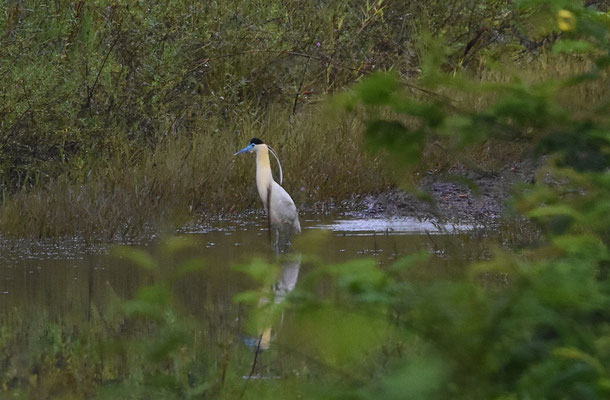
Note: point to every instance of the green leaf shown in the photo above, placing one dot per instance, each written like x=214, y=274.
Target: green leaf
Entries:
x=248, y=297
x=143, y=309
x=582, y=247
x=552, y=211
x=136, y=256
x=168, y=342
x=377, y=89
x=394, y=137
x=177, y=243
x=358, y=275
x=576, y=354
x=420, y=378
x=259, y=270
x=190, y=266
x=339, y=337
x=572, y=46
x=410, y=261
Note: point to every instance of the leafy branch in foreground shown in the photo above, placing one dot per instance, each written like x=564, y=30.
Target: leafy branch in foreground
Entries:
x=533, y=323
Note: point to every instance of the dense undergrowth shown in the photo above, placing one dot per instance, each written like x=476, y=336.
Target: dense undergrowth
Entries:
x=120, y=115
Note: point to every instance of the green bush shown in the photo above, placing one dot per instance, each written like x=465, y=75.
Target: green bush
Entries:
x=126, y=106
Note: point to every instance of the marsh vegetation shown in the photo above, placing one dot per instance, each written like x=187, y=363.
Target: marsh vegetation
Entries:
x=119, y=120
x=118, y=117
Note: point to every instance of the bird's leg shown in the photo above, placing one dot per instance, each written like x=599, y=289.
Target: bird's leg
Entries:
x=283, y=239
x=269, y=209
x=276, y=246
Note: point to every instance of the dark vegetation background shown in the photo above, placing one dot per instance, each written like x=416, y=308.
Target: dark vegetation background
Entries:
x=112, y=108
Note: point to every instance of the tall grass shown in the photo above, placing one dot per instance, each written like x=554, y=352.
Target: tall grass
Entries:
x=188, y=176
x=119, y=117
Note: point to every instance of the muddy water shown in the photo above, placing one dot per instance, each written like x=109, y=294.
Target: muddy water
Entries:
x=70, y=279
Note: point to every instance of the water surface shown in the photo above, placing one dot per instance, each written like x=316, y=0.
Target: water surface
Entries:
x=72, y=279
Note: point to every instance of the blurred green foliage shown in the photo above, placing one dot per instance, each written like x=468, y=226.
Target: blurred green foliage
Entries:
x=545, y=333
x=542, y=333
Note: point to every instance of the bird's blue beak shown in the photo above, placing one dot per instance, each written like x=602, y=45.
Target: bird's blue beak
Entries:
x=245, y=149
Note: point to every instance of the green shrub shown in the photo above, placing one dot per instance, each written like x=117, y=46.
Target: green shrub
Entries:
x=98, y=95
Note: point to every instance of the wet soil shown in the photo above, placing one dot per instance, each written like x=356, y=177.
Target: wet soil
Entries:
x=460, y=195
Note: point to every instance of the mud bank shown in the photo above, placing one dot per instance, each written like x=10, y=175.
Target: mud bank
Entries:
x=460, y=195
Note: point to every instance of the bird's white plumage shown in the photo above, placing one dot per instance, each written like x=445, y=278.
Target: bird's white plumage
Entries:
x=282, y=211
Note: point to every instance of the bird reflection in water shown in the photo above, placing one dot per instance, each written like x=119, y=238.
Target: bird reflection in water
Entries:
x=287, y=281
x=283, y=218
x=285, y=284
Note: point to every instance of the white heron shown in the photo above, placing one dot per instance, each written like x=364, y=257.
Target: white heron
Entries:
x=282, y=212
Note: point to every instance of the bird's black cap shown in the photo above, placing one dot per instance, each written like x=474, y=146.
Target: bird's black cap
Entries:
x=256, y=141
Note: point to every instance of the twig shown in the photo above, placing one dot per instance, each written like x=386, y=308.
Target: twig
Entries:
x=426, y=91
x=309, y=56
x=281, y=52
x=88, y=103
x=269, y=210
x=10, y=131
x=296, y=97
x=256, y=352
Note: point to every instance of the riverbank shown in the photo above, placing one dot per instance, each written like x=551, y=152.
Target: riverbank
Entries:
x=455, y=197
x=458, y=195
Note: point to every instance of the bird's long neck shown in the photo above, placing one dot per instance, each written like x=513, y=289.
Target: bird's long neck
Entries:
x=264, y=178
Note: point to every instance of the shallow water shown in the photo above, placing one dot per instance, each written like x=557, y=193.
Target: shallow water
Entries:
x=73, y=279
x=68, y=276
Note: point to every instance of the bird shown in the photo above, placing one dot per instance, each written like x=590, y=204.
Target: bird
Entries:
x=280, y=208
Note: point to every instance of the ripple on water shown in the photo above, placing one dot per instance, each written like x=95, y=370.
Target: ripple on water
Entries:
x=76, y=248
x=394, y=226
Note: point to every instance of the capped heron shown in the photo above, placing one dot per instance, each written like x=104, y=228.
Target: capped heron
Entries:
x=280, y=208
